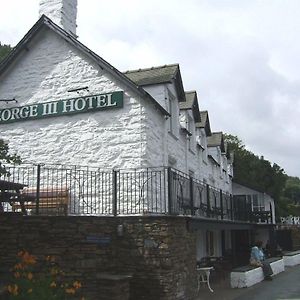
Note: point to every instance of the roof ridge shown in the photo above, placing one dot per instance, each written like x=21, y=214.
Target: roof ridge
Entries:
x=151, y=68
x=70, y=38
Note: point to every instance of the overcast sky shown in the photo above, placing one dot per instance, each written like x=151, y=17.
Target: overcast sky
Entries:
x=241, y=56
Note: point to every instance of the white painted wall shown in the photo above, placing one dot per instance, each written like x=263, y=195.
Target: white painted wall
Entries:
x=174, y=146
x=137, y=135
x=113, y=138
x=239, y=189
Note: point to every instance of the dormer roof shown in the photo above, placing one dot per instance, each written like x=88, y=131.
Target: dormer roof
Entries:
x=204, y=122
x=158, y=75
x=191, y=103
x=216, y=140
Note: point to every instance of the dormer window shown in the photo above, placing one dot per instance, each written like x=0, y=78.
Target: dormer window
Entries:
x=173, y=120
x=191, y=129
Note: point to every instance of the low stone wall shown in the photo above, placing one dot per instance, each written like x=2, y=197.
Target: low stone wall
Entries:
x=159, y=253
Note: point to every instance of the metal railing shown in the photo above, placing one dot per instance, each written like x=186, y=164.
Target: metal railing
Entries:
x=95, y=191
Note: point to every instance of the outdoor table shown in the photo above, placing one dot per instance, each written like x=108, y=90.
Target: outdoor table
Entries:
x=203, y=276
x=11, y=192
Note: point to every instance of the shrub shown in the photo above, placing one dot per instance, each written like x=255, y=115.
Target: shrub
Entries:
x=40, y=280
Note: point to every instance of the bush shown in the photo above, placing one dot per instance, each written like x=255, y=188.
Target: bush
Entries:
x=40, y=280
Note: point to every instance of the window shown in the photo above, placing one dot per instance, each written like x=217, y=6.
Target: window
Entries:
x=190, y=126
x=174, y=116
x=257, y=203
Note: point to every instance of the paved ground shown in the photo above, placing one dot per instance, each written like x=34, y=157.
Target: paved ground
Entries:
x=285, y=285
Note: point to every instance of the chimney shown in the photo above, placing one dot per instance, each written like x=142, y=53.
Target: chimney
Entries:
x=61, y=12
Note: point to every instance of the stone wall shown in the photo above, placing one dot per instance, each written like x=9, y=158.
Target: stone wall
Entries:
x=158, y=252
x=296, y=237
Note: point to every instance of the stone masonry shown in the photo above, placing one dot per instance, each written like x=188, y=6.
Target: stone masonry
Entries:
x=143, y=257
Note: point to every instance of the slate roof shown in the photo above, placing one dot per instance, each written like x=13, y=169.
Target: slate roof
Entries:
x=157, y=75
x=191, y=103
x=190, y=99
x=204, y=122
x=216, y=140
x=154, y=75
x=43, y=22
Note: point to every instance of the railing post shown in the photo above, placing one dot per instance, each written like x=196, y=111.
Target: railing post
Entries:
x=115, y=192
x=38, y=186
x=192, y=196
x=170, y=190
x=221, y=204
x=207, y=201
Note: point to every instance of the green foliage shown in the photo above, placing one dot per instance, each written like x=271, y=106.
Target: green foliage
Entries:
x=254, y=171
x=34, y=279
x=4, y=50
x=6, y=157
x=292, y=190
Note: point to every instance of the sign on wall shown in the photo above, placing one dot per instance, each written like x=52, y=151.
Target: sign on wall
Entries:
x=62, y=107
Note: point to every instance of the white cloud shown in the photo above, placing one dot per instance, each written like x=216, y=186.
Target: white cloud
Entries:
x=243, y=57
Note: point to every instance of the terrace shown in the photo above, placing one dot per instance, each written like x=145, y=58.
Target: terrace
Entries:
x=77, y=190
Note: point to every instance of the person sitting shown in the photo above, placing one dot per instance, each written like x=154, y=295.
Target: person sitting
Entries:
x=257, y=258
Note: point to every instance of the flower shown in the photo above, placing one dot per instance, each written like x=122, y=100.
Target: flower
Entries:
x=70, y=291
x=29, y=276
x=29, y=291
x=17, y=274
x=76, y=284
x=53, y=284
x=19, y=266
x=13, y=289
x=28, y=259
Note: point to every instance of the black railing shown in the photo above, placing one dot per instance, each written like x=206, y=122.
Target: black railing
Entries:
x=56, y=189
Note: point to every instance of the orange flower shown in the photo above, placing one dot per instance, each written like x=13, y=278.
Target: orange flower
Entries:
x=53, y=284
x=77, y=285
x=70, y=291
x=29, y=276
x=19, y=266
x=13, y=289
x=20, y=253
x=28, y=259
x=17, y=275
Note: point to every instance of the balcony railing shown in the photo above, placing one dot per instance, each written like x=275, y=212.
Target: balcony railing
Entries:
x=94, y=191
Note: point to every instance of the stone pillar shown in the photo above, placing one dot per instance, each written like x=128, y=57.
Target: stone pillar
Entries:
x=61, y=12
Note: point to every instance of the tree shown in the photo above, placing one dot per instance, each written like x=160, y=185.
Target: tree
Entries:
x=4, y=50
x=292, y=190
x=6, y=157
x=254, y=171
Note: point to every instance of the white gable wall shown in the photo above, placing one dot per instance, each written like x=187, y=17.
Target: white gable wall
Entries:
x=114, y=138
